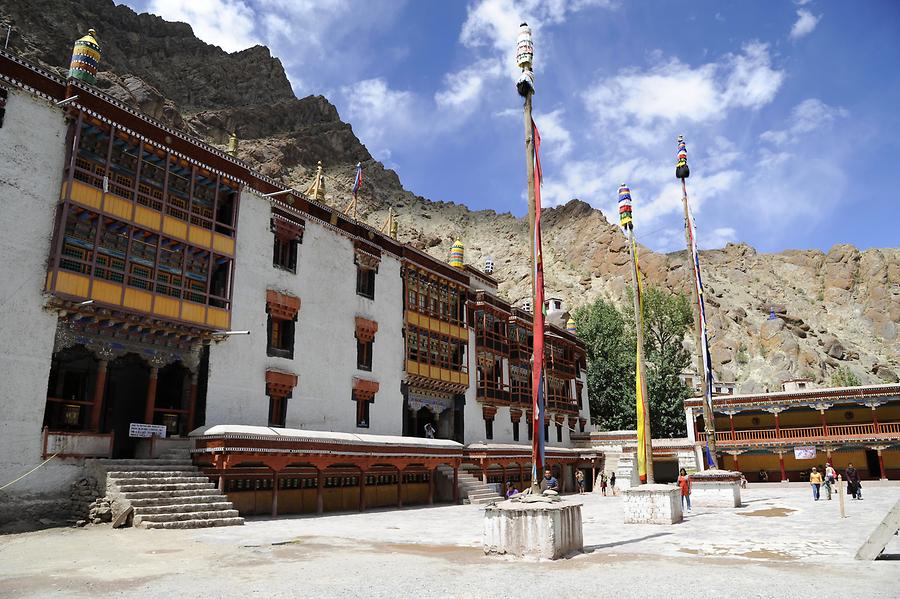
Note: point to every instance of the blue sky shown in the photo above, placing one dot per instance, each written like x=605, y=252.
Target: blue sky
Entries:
x=791, y=110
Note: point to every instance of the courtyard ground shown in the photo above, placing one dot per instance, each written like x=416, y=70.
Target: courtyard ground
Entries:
x=780, y=544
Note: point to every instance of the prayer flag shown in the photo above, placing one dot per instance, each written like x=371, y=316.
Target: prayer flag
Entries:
x=357, y=180
x=640, y=400
x=537, y=373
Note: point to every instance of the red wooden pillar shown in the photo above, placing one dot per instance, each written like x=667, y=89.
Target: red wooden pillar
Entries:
x=99, y=392
x=731, y=420
x=362, y=490
x=777, y=426
x=456, y=484
x=192, y=403
x=781, y=465
x=875, y=420
x=274, y=493
x=881, y=463
x=737, y=467
x=151, y=395
x=399, y=487
x=320, y=486
x=431, y=472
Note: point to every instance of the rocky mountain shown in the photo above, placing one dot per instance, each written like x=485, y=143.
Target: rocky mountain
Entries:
x=831, y=310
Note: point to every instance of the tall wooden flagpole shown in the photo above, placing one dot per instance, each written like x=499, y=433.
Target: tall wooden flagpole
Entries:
x=682, y=171
x=525, y=87
x=643, y=398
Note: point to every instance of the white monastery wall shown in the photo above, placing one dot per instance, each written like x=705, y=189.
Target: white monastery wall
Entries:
x=32, y=156
x=324, y=338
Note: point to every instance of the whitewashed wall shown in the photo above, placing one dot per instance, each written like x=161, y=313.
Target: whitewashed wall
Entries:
x=32, y=156
x=324, y=339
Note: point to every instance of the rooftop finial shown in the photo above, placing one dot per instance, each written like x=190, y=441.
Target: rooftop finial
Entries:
x=316, y=189
x=85, y=58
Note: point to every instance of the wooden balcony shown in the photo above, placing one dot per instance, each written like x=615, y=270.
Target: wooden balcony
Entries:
x=807, y=434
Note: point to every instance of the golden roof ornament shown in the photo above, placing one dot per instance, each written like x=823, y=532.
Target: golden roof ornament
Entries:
x=316, y=189
x=232, y=144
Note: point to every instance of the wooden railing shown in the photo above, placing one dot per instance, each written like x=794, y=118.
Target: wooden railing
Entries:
x=885, y=430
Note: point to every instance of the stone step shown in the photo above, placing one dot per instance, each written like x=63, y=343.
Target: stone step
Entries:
x=197, y=523
x=484, y=500
x=168, y=473
x=179, y=500
x=135, y=496
x=483, y=494
x=138, y=487
x=163, y=480
x=177, y=460
x=202, y=515
x=183, y=508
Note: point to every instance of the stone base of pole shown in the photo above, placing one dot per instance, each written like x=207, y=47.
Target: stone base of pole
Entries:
x=533, y=530
x=652, y=504
x=716, y=488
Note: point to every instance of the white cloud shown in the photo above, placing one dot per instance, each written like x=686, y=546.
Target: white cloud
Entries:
x=807, y=116
x=464, y=90
x=379, y=114
x=717, y=238
x=228, y=24
x=556, y=140
x=804, y=25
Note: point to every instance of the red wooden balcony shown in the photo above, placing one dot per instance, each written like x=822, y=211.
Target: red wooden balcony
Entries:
x=790, y=435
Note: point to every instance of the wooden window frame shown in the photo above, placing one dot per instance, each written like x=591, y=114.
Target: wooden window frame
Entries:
x=285, y=329
x=364, y=355
x=365, y=281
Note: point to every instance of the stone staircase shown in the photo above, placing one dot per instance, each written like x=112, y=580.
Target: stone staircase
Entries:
x=167, y=492
x=471, y=489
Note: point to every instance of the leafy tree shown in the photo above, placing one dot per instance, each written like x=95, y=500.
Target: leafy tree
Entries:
x=844, y=377
x=610, y=356
x=610, y=341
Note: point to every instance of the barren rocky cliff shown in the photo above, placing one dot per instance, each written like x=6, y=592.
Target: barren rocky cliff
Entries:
x=834, y=309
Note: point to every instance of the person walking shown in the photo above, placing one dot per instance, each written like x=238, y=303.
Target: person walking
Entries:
x=830, y=477
x=612, y=483
x=684, y=481
x=854, y=487
x=815, y=479
x=579, y=481
x=603, y=481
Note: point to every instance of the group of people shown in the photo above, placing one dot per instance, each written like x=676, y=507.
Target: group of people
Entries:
x=823, y=480
x=550, y=483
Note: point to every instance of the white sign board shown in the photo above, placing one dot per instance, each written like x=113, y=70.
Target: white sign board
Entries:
x=804, y=453
x=139, y=429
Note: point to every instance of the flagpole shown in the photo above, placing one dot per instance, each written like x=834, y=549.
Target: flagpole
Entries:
x=642, y=398
x=709, y=424
x=525, y=87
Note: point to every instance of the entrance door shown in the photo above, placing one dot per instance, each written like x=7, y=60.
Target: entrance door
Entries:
x=126, y=398
x=873, y=464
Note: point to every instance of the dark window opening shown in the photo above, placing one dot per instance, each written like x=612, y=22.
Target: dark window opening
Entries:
x=559, y=433
x=284, y=255
x=530, y=429
x=362, y=413
x=581, y=424
x=364, y=355
x=546, y=431
x=277, y=411
x=365, y=282
x=515, y=426
x=489, y=429
x=281, y=338
x=219, y=282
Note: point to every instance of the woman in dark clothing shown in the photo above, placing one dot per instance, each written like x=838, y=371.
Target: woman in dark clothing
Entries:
x=853, y=485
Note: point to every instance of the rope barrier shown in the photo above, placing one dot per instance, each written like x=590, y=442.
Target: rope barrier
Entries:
x=29, y=472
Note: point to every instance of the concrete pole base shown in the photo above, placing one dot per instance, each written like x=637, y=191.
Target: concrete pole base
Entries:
x=533, y=530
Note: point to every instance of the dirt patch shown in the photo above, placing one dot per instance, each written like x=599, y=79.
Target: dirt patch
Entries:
x=766, y=554
x=772, y=512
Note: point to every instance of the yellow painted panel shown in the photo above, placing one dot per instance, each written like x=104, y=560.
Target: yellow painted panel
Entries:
x=218, y=318
x=138, y=300
x=166, y=306
x=445, y=328
x=147, y=217
x=104, y=291
x=118, y=206
x=445, y=375
x=174, y=227
x=457, y=377
x=223, y=244
x=72, y=284
x=464, y=377
x=200, y=236
x=412, y=367
x=86, y=195
x=412, y=318
x=193, y=312
x=49, y=280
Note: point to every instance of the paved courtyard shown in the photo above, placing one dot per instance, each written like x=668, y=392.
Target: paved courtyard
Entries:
x=780, y=544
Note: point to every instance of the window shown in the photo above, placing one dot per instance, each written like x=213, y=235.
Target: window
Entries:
x=365, y=282
x=581, y=424
x=281, y=338
x=559, y=433
x=285, y=254
x=515, y=426
x=530, y=429
x=364, y=355
x=546, y=431
x=277, y=411
x=488, y=429
x=362, y=413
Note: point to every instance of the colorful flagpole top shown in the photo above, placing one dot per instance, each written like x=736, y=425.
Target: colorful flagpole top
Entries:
x=681, y=166
x=457, y=251
x=85, y=58
x=525, y=60
x=625, y=220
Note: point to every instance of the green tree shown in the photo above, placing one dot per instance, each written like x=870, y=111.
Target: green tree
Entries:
x=844, y=377
x=610, y=355
x=609, y=337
